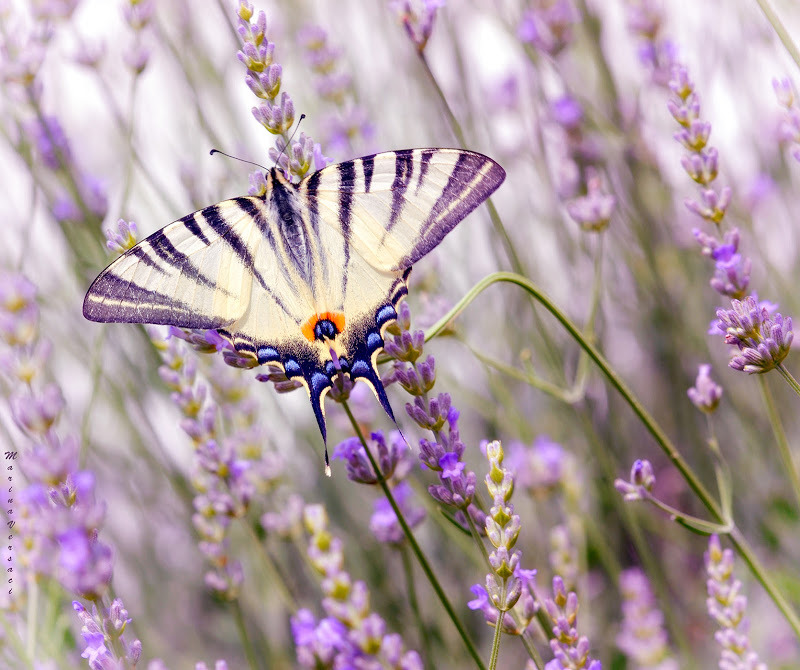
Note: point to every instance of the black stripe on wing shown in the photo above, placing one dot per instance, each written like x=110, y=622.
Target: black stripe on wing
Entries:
x=403, y=170
x=114, y=299
x=347, y=175
x=473, y=179
x=164, y=249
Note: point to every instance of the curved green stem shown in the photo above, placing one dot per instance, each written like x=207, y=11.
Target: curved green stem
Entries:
x=742, y=546
x=412, y=541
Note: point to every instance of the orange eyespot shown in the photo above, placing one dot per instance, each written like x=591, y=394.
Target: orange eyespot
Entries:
x=312, y=333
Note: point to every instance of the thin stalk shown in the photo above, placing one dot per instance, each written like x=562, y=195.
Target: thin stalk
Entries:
x=424, y=637
x=498, y=629
x=780, y=30
x=412, y=541
x=649, y=422
x=780, y=438
x=789, y=378
x=247, y=645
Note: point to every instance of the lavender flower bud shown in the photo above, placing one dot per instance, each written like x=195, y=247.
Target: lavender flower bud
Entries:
x=705, y=394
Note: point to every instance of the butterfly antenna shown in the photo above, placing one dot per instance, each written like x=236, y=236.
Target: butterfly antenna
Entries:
x=291, y=137
x=236, y=158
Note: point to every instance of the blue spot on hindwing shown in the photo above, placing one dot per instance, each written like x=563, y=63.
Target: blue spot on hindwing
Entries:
x=267, y=355
x=292, y=368
x=374, y=341
x=384, y=314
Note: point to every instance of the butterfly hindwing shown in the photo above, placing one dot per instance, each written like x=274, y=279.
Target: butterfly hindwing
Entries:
x=308, y=276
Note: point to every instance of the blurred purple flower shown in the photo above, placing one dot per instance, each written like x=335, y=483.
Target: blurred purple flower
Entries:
x=705, y=394
x=548, y=25
x=417, y=17
x=384, y=524
x=102, y=631
x=642, y=637
x=592, y=211
x=657, y=53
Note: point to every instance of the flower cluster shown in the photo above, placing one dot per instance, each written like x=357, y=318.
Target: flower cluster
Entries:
x=761, y=339
x=657, y=53
x=350, y=635
x=641, y=482
x=509, y=593
x=726, y=605
x=548, y=25
x=570, y=649
x=789, y=129
x=417, y=17
x=444, y=454
x=275, y=113
x=58, y=516
x=395, y=462
x=731, y=270
x=230, y=469
x=138, y=14
x=102, y=632
x=706, y=393
x=344, y=128
x=642, y=637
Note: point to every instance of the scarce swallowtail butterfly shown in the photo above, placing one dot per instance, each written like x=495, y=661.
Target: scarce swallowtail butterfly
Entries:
x=305, y=271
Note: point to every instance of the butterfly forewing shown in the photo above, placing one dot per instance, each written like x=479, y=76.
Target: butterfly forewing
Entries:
x=193, y=273
x=395, y=207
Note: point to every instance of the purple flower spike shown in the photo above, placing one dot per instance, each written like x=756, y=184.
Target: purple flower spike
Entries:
x=417, y=17
x=762, y=340
x=705, y=394
x=592, y=211
x=640, y=485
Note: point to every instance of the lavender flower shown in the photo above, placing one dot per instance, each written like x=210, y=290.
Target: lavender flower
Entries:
x=384, y=524
x=230, y=470
x=657, y=53
x=275, y=113
x=642, y=637
x=705, y=394
x=391, y=457
x=789, y=129
x=548, y=25
x=351, y=635
x=350, y=122
x=508, y=587
x=641, y=483
x=592, y=211
x=571, y=650
x=727, y=607
x=444, y=454
x=102, y=631
x=762, y=340
x=417, y=17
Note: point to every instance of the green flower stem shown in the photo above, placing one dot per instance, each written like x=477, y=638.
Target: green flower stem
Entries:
x=780, y=437
x=780, y=30
x=247, y=645
x=789, y=378
x=742, y=546
x=424, y=637
x=412, y=541
x=498, y=628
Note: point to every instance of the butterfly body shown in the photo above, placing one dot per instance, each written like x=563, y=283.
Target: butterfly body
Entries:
x=307, y=276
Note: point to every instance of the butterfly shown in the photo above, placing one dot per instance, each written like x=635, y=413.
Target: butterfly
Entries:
x=308, y=276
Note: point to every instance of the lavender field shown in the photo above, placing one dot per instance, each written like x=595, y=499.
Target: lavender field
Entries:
x=594, y=462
